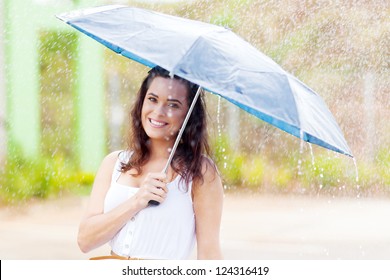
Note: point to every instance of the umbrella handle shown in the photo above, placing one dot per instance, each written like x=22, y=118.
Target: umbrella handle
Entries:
x=183, y=126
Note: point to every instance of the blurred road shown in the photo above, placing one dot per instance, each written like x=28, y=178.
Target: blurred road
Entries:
x=253, y=227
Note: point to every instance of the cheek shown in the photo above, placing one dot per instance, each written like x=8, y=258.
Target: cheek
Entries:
x=177, y=117
x=145, y=110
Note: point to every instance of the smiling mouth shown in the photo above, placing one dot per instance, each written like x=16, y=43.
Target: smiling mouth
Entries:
x=157, y=124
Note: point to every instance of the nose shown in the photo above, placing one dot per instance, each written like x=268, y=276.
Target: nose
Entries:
x=160, y=110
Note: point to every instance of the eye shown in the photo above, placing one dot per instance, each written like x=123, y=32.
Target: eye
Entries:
x=152, y=99
x=173, y=105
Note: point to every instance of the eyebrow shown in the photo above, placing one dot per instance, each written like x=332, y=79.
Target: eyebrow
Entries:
x=169, y=99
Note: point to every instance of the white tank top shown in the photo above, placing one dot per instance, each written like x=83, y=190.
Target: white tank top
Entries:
x=166, y=231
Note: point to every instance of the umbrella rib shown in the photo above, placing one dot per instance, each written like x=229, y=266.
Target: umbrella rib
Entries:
x=301, y=131
x=192, y=46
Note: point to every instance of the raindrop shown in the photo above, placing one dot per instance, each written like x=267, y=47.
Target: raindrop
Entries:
x=302, y=142
x=219, y=118
x=300, y=153
x=312, y=155
x=170, y=84
x=299, y=167
x=356, y=170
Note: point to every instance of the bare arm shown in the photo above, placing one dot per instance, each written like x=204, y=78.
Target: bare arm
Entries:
x=208, y=200
x=97, y=227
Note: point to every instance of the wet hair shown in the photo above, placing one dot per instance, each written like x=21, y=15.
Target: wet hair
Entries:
x=193, y=147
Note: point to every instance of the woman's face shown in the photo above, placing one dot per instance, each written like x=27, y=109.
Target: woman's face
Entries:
x=164, y=108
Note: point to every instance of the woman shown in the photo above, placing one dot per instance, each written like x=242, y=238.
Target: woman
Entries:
x=190, y=194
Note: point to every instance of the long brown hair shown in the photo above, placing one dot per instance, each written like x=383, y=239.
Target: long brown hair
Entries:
x=188, y=158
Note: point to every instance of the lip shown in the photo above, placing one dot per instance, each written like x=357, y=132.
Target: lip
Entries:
x=156, y=124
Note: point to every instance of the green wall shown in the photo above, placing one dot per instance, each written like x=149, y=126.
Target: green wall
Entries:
x=23, y=20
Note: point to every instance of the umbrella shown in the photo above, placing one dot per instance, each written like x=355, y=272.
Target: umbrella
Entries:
x=217, y=60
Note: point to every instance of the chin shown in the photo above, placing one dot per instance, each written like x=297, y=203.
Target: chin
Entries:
x=158, y=136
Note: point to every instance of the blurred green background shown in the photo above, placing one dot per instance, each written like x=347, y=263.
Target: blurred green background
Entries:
x=341, y=49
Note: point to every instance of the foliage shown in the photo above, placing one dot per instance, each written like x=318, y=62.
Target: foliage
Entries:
x=302, y=172
x=383, y=163
x=253, y=171
x=23, y=179
x=229, y=162
x=283, y=177
x=326, y=171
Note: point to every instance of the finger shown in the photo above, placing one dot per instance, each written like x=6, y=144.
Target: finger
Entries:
x=159, y=184
x=165, y=188
x=155, y=188
x=161, y=176
x=158, y=197
x=159, y=191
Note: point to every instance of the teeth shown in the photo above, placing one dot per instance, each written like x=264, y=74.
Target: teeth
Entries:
x=156, y=123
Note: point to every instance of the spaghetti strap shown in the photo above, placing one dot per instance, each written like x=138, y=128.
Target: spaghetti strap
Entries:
x=116, y=172
x=123, y=156
x=117, y=167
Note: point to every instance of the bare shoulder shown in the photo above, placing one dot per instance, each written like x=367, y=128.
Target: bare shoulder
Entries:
x=101, y=184
x=211, y=177
x=113, y=156
x=106, y=167
x=110, y=159
x=209, y=169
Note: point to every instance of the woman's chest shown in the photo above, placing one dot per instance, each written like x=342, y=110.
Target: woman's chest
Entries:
x=134, y=179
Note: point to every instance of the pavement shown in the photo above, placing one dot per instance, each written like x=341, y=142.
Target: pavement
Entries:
x=254, y=227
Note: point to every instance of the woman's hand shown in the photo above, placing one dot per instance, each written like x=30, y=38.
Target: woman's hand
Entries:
x=153, y=187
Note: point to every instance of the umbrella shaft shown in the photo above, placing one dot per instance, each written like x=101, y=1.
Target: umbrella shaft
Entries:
x=172, y=153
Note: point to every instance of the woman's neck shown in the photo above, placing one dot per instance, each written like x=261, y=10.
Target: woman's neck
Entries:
x=160, y=149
